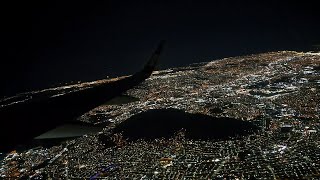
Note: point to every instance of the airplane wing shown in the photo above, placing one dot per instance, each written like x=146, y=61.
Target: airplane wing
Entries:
x=32, y=114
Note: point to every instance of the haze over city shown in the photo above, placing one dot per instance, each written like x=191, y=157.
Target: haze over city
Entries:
x=45, y=44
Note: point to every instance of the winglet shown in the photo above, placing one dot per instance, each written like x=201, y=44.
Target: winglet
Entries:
x=153, y=61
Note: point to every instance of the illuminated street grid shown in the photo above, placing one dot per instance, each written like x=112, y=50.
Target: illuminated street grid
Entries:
x=277, y=91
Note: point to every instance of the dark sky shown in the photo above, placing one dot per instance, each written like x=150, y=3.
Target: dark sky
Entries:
x=50, y=42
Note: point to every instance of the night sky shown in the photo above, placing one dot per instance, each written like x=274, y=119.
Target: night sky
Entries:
x=48, y=43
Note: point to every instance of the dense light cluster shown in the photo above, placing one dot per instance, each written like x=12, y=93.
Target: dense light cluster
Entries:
x=278, y=91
